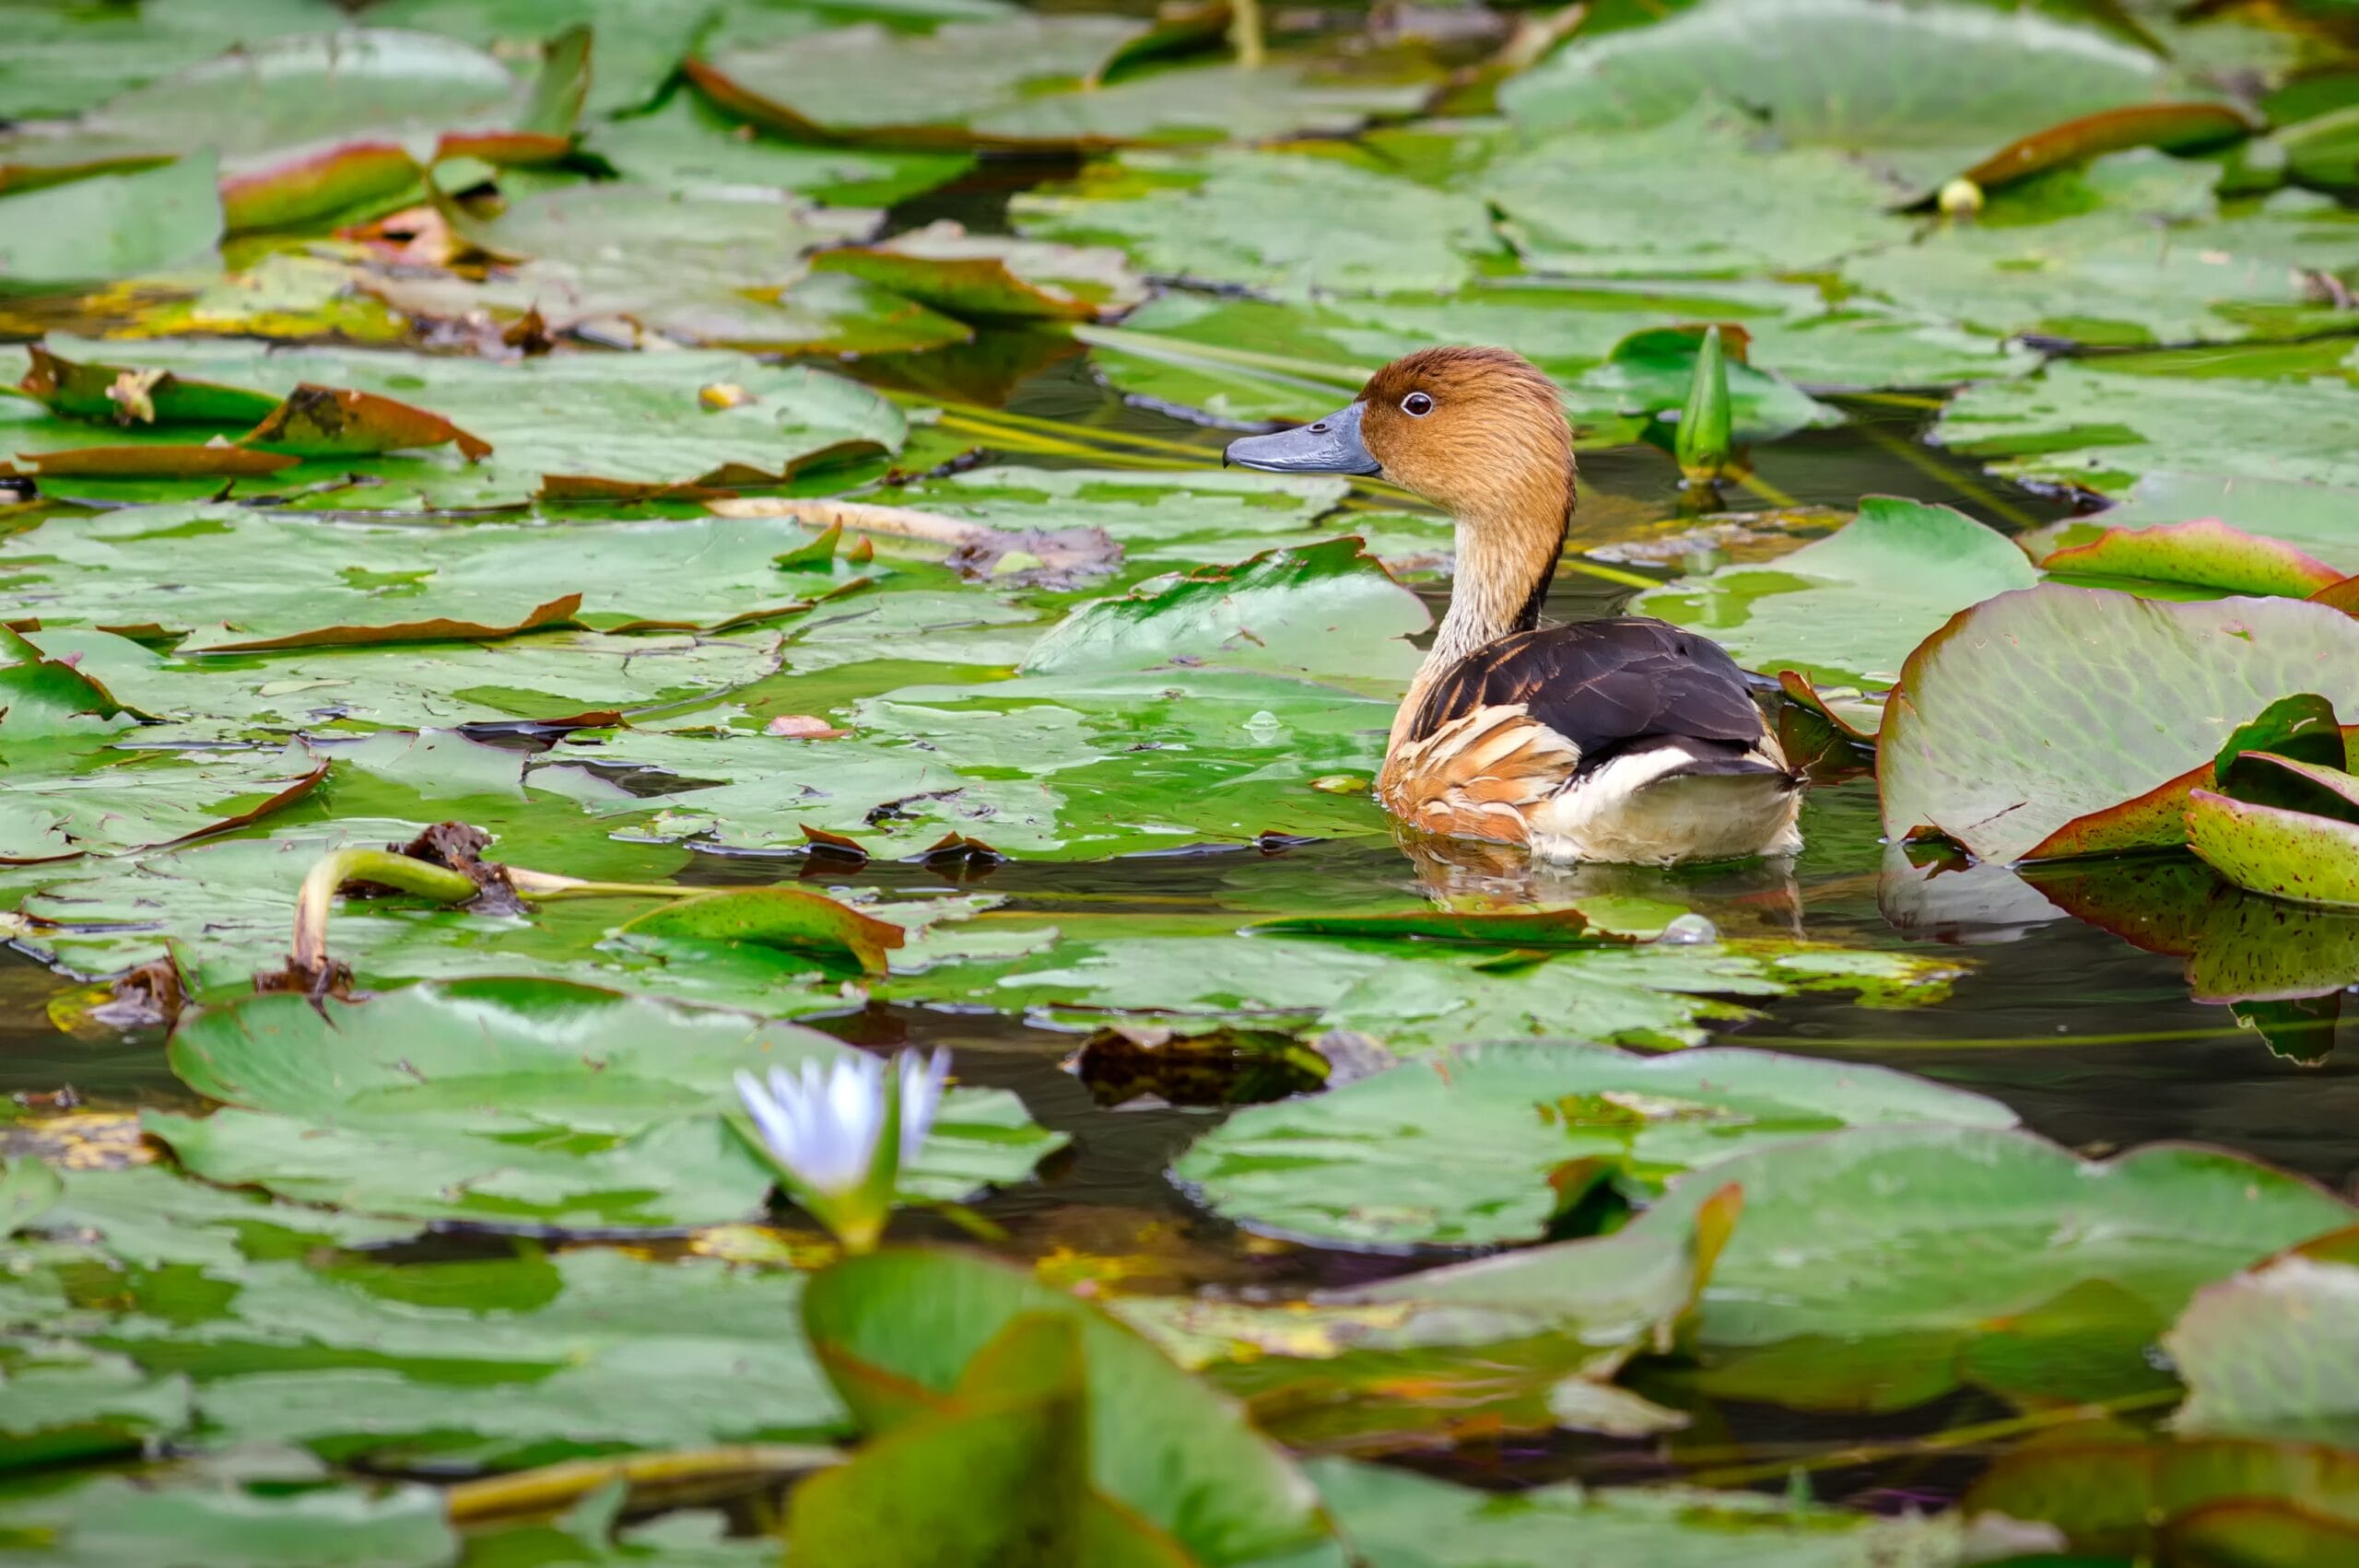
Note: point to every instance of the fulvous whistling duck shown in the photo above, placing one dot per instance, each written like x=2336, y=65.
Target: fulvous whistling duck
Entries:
x=1628, y=738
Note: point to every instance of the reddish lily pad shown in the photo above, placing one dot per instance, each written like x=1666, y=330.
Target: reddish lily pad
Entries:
x=2205, y=552
x=312, y=184
x=181, y=461
x=2034, y=711
x=557, y=612
x=317, y=421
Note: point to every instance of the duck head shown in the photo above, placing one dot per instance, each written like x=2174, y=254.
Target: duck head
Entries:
x=1479, y=432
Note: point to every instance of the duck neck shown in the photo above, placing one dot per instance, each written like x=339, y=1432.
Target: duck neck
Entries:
x=1505, y=564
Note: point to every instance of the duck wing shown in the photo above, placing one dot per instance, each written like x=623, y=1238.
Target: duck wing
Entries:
x=1603, y=685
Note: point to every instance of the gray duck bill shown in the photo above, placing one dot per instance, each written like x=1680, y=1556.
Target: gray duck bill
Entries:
x=1331, y=445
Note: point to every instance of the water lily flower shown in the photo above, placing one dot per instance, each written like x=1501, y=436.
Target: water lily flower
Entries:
x=839, y=1133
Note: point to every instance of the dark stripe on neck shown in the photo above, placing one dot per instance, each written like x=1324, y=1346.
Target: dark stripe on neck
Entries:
x=1527, y=617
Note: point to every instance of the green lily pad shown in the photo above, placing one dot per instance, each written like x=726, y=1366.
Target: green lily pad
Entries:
x=558, y=677
x=688, y=144
x=636, y=45
x=1970, y=745
x=1320, y=610
x=525, y=1101
x=1026, y=81
x=109, y=227
x=600, y=424
x=2265, y=1352
x=897, y=1329
x=2118, y=1492
x=1394, y=1519
x=1188, y=515
x=974, y=277
x=67, y=1407
x=1525, y=1342
x=1623, y=205
x=1925, y=89
x=62, y=60
x=1459, y=1151
x=233, y=1512
x=2149, y=263
x=2105, y=431
x=352, y=583
x=1847, y=1256
x=1848, y=609
x=1286, y=223
x=121, y=799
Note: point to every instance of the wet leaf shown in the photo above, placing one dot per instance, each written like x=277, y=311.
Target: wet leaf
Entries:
x=688, y=144
x=1848, y=609
x=126, y=799
x=1457, y=1150
x=63, y=1407
x=896, y=1330
x=1968, y=742
x=2311, y=519
x=638, y=43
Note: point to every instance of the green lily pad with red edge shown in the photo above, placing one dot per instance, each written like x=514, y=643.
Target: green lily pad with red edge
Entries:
x=2312, y=519
x=2006, y=730
x=772, y=917
x=2271, y=1352
x=992, y=277
x=2204, y=553
x=1845, y=610
x=1523, y=1342
x=527, y=1101
x=2116, y=1492
x=1458, y=1151
x=1841, y=1288
x=2304, y=856
x=896, y=1331
x=90, y=231
x=1323, y=609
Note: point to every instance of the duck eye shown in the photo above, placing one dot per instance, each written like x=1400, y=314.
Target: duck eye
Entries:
x=1418, y=403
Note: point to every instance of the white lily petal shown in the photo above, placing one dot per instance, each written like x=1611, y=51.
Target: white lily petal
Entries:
x=922, y=1074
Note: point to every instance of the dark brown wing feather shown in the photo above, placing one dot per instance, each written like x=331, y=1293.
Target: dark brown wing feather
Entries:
x=1603, y=684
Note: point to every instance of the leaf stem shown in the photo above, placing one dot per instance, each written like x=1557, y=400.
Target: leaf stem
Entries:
x=308, y=951
x=1245, y=34
x=552, y=1488
x=1957, y=1437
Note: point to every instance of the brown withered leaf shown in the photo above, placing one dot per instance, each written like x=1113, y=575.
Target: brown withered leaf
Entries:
x=316, y=421
x=557, y=612
x=177, y=460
